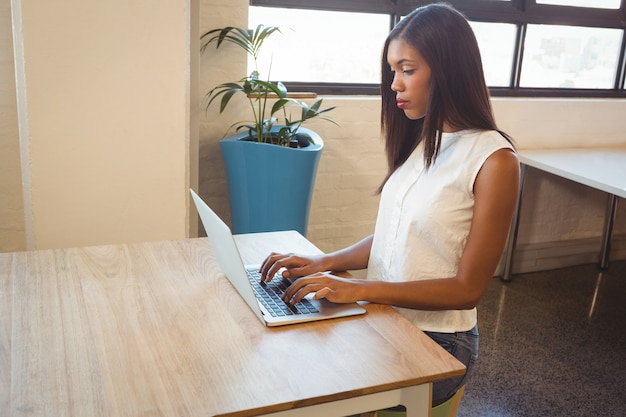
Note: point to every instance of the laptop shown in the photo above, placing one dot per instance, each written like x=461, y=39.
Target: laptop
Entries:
x=263, y=298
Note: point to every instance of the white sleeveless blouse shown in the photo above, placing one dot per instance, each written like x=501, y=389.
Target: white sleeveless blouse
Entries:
x=424, y=218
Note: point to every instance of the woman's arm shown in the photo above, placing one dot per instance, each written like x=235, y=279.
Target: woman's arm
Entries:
x=352, y=257
x=495, y=192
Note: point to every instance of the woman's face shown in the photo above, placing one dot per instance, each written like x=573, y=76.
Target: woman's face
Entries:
x=411, y=78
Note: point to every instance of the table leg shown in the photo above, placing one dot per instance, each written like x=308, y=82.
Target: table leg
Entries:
x=512, y=239
x=416, y=399
x=609, y=219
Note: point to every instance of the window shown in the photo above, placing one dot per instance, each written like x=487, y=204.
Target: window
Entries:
x=528, y=47
x=316, y=31
x=600, y=4
x=497, y=48
x=570, y=57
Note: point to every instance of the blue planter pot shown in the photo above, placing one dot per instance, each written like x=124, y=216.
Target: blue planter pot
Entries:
x=270, y=186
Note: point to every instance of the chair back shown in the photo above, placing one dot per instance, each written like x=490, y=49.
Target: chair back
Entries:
x=450, y=407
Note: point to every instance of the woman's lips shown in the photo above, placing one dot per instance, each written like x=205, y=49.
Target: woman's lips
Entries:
x=401, y=103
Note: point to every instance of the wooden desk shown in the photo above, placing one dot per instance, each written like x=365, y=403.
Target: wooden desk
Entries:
x=154, y=329
x=600, y=168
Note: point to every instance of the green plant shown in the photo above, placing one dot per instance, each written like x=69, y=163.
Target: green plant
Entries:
x=266, y=126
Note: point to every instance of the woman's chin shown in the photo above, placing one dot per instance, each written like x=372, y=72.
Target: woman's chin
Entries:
x=413, y=115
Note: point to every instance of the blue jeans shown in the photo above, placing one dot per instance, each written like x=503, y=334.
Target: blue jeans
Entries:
x=464, y=347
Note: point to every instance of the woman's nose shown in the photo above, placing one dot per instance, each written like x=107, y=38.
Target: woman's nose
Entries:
x=396, y=85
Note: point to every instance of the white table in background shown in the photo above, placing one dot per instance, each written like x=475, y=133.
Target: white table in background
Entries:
x=601, y=168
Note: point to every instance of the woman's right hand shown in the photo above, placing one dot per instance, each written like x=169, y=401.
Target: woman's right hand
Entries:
x=293, y=265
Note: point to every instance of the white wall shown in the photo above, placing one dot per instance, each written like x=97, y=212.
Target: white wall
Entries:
x=106, y=128
x=12, y=236
x=558, y=122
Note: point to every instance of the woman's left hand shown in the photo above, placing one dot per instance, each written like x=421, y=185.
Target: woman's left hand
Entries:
x=324, y=285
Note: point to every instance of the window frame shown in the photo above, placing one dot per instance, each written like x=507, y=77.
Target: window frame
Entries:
x=518, y=12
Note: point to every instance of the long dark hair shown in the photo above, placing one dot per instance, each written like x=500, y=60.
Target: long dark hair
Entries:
x=458, y=92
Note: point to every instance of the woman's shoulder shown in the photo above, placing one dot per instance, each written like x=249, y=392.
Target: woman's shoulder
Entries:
x=489, y=135
x=487, y=140
x=473, y=147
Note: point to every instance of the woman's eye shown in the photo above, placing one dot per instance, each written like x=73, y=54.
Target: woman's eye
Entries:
x=408, y=71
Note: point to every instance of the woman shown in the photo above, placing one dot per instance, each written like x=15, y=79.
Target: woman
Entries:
x=447, y=200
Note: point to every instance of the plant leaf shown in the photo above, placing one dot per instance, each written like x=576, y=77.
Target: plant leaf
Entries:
x=279, y=104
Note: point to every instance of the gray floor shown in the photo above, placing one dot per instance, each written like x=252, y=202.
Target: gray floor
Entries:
x=552, y=344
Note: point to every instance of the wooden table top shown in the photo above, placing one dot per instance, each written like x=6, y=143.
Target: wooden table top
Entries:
x=156, y=329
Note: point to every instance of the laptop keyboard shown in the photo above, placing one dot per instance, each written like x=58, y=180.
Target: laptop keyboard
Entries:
x=269, y=294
